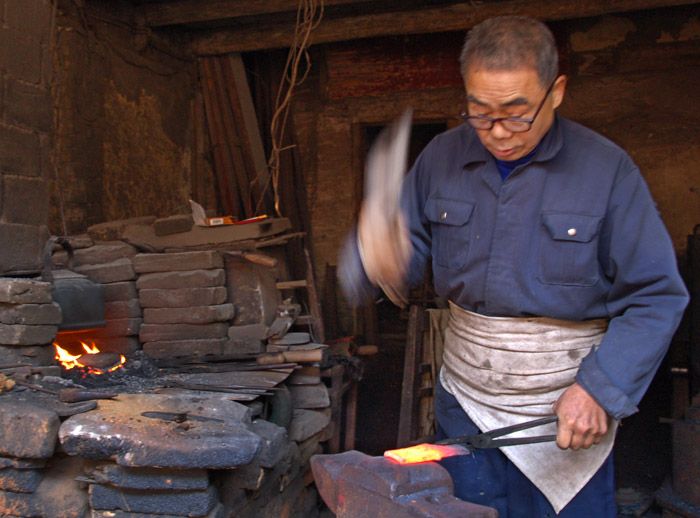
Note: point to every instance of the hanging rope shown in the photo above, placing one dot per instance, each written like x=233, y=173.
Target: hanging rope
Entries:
x=309, y=15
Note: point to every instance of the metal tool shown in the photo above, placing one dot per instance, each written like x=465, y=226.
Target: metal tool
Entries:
x=488, y=439
x=179, y=417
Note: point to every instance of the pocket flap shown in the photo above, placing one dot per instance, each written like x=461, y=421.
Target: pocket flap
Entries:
x=571, y=227
x=448, y=212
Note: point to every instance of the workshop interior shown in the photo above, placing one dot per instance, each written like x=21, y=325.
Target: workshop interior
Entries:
x=177, y=178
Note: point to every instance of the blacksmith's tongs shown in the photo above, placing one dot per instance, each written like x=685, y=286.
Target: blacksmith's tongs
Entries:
x=487, y=439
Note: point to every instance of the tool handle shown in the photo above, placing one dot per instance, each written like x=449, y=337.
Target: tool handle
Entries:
x=498, y=443
x=308, y=355
x=522, y=426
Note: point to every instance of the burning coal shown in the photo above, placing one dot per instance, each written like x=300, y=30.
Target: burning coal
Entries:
x=87, y=361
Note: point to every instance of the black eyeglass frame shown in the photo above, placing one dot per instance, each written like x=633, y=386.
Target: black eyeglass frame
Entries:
x=529, y=121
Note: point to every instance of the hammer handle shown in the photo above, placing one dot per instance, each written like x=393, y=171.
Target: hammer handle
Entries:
x=314, y=355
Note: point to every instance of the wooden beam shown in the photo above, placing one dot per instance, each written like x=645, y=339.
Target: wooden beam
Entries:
x=196, y=11
x=456, y=17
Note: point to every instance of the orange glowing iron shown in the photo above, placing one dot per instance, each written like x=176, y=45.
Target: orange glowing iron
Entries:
x=466, y=443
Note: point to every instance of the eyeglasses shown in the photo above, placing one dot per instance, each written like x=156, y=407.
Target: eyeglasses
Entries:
x=512, y=124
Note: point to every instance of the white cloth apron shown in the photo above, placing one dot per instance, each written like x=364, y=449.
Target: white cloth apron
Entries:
x=505, y=371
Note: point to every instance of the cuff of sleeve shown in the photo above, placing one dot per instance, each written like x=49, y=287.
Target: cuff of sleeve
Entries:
x=352, y=278
x=594, y=381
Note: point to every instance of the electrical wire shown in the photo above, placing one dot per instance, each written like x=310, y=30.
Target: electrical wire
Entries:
x=309, y=16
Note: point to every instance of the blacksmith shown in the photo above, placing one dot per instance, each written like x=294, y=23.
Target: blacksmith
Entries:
x=561, y=277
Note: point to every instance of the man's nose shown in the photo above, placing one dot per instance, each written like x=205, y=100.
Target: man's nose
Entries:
x=500, y=132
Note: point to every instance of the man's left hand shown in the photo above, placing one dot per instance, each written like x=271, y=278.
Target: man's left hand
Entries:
x=582, y=421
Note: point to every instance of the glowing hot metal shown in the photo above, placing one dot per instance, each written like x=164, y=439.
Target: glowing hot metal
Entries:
x=424, y=453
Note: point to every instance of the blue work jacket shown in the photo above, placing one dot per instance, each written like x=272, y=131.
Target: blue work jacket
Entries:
x=574, y=234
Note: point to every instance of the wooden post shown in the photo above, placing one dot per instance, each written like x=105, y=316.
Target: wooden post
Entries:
x=412, y=359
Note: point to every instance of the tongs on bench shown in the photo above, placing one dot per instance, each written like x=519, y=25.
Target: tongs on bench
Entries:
x=488, y=439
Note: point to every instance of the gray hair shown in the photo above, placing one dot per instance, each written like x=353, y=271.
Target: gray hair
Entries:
x=509, y=43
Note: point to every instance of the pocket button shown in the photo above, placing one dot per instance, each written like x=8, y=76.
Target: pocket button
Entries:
x=571, y=232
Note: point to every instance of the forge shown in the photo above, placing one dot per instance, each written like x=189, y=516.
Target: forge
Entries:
x=173, y=407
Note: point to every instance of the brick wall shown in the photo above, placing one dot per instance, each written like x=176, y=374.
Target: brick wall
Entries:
x=25, y=123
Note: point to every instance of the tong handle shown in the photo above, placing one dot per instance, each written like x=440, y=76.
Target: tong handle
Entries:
x=485, y=440
x=522, y=426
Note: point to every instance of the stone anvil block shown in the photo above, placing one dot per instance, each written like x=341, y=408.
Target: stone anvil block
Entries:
x=215, y=433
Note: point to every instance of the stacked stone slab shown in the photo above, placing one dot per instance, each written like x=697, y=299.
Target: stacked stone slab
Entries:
x=186, y=309
x=110, y=264
x=32, y=474
x=28, y=322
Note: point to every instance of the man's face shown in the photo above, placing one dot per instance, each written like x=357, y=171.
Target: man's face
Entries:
x=511, y=93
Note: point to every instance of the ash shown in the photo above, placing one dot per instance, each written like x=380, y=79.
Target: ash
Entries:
x=139, y=374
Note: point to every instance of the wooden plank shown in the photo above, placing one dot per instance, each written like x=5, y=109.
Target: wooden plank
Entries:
x=222, y=161
x=230, y=136
x=248, y=130
x=408, y=413
x=456, y=17
x=196, y=11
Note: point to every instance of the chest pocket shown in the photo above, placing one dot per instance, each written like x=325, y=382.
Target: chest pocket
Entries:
x=569, y=249
x=449, y=225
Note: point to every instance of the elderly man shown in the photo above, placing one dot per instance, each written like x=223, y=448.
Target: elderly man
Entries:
x=562, y=280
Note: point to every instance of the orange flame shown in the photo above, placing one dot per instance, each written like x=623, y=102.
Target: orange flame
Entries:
x=70, y=361
x=424, y=453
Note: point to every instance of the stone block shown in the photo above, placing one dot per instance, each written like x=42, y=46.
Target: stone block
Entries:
x=147, y=478
x=184, y=503
x=113, y=230
x=274, y=439
x=310, y=396
x=27, y=430
x=244, y=346
x=172, y=225
x=219, y=511
x=30, y=314
x=20, y=57
x=27, y=335
x=119, y=291
x=190, y=315
x=257, y=331
x=184, y=279
x=24, y=291
x=20, y=480
x=252, y=290
x=182, y=298
x=35, y=355
x=98, y=254
x=117, y=271
x=19, y=149
x=170, y=332
x=204, y=260
x=59, y=495
x=25, y=256
x=219, y=438
x=306, y=423
x=178, y=348
x=122, y=309
x=28, y=105
x=25, y=200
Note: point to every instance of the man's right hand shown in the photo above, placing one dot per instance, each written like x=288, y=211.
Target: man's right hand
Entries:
x=386, y=248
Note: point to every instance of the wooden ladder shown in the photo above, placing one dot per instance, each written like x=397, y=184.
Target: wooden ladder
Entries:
x=313, y=318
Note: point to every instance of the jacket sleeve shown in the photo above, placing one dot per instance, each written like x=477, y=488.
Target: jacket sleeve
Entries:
x=353, y=280
x=646, y=299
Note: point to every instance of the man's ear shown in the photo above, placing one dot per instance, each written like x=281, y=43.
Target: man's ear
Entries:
x=558, y=90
